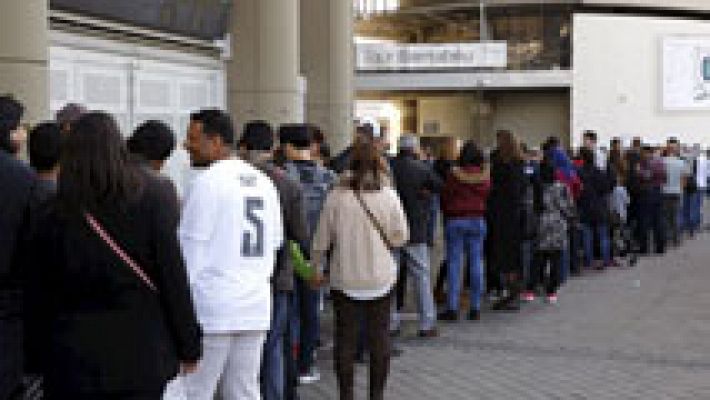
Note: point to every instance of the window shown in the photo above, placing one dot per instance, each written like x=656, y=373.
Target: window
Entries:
x=375, y=6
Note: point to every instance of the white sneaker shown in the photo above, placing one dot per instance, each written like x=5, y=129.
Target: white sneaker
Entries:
x=551, y=299
x=310, y=377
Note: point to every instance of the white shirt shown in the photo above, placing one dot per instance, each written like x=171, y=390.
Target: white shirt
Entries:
x=230, y=230
x=600, y=158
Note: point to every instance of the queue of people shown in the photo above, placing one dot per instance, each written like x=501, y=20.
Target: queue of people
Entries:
x=113, y=287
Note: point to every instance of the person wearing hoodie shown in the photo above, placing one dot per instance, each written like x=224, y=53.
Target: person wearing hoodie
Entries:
x=463, y=201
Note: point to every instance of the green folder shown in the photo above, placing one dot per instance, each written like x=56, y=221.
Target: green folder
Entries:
x=302, y=267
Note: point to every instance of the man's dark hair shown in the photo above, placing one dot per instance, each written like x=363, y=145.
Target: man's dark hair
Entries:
x=591, y=135
x=44, y=145
x=215, y=123
x=11, y=112
x=616, y=141
x=471, y=155
x=153, y=140
x=673, y=140
x=257, y=136
x=551, y=143
x=299, y=136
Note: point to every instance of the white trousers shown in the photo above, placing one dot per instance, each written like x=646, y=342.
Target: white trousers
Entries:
x=229, y=369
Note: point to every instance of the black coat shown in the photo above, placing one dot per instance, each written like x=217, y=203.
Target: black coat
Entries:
x=16, y=183
x=97, y=325
x=506, y=215
x=593, y=203
x=415, y=182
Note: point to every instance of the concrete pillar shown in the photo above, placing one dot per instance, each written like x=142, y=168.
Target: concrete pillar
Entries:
x=263, y=80
x=327, y=64
x=24, y=54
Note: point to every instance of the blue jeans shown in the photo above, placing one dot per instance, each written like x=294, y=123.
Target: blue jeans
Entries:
x=433, y=219
x=692, y=211
x=416, y=259
x=465, y=233
x=307, y=302
x=273, y=371
x=565, y=263
x=588, y=232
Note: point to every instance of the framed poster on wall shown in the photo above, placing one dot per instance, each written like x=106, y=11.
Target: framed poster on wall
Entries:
x=686, y=73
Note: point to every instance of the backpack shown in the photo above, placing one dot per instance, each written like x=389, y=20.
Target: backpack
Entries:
x=316, y=182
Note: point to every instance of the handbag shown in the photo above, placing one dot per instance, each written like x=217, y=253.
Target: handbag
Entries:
x=137, y=270
x=374, y=221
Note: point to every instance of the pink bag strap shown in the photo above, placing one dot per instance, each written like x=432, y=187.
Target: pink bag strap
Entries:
x=94, y=224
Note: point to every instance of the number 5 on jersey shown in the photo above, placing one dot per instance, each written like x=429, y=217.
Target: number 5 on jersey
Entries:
x=253, y=239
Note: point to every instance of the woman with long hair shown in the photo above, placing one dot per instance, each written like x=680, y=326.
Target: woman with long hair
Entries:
x=506, y=211
x=110, y=308
x=554, y=209
x=464, y=207
x=362, y=222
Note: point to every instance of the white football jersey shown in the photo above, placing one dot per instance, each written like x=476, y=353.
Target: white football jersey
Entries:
x=230, y=231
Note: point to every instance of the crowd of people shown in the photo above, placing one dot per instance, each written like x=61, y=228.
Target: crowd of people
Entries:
x=112, y=287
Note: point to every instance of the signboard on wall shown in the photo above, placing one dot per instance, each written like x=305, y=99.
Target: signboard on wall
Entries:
x=402, y=56
x=686, y=73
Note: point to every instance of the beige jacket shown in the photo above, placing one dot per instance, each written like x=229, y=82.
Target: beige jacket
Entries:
x=360, y=260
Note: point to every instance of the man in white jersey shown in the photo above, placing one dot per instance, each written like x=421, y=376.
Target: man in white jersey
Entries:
x=230, y=231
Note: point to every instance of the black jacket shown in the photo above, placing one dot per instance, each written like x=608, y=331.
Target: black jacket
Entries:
x=415, y=182
x=97, y=325
x=593, y=203
x=16, y=183
x=506, y=215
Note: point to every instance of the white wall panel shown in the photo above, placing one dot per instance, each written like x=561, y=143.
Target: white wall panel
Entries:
x=135, y=84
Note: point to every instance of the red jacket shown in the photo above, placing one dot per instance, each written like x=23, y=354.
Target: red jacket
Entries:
x=460, y=199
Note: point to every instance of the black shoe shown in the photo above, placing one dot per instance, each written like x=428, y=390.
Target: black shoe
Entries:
x=508, y=304
x=429, y=334
x=396, y=351
x=474, y=315
x=633, y=260
x=449, y=315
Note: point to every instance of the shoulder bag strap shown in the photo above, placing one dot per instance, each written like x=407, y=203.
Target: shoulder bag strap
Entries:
x=373, y=220
x=101, y=232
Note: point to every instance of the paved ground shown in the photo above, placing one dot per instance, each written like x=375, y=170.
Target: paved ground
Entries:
x=641, y=333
